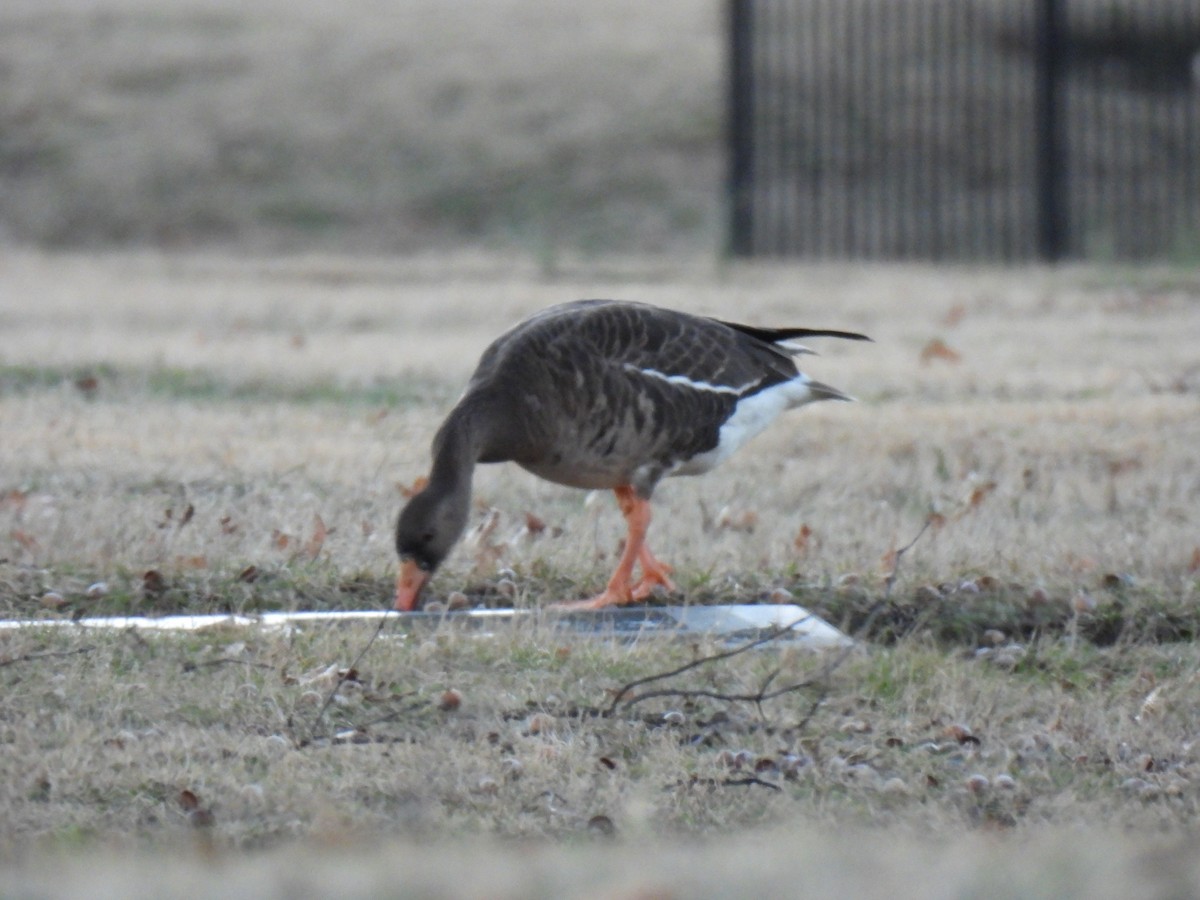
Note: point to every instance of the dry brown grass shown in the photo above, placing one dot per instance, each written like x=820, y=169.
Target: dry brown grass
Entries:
x=521, y=124
x=272, y=392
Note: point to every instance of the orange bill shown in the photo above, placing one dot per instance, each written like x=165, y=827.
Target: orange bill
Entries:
x=408, y=585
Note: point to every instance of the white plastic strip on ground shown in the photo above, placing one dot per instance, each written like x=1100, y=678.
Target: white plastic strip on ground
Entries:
x=806, y=628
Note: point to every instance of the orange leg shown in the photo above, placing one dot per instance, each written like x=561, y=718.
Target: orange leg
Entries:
x=620, y=591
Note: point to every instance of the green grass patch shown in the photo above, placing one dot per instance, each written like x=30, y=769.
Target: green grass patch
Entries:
x=198, y=385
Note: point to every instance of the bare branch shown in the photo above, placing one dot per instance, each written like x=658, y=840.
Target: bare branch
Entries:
x=48, y=654
x=342, y=679
x=773, y=634
x=762, y=694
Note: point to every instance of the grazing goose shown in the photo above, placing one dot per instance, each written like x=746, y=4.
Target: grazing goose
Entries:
x=604, y=394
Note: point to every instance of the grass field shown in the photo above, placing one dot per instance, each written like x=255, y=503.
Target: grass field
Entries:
x=195, y=434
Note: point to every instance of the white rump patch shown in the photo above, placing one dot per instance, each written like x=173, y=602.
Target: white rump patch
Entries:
x=753, y=414
x=688, y=382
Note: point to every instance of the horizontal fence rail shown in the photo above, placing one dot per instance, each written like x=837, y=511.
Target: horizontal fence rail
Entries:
x=964, y=129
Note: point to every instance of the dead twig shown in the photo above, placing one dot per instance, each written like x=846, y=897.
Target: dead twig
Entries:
x=890, y=581
x=771, y=635
x=343, y=677
x=47, y=654
x=763, y=694
x=190, y=666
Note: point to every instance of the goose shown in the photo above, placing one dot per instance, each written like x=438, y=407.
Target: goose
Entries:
x=605, y=394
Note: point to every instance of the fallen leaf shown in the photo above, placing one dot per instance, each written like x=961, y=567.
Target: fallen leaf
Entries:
x=187, y=515
x=248, y=574
x=27, y=541
x=14, y=498
x=1194, y=565
x=53, y=600
x=961, y=733
x=533, y=524
x=802, y=539
x=188, y=801
x=87, y=384
x=411, y=490
x=280, y=539
x=479, y=541
x=889, y=559
x=980, y=493
x=737, y=519
x=153, y=582
x=1121, y=466
x=312, y=547
x=602, y=825
x=938, y=349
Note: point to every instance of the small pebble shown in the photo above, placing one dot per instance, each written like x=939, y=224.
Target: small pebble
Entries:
x=1004, y=783
x=977, y=784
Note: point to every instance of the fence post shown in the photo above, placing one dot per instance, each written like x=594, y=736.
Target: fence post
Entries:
x=1051, y=130
x=739, y=129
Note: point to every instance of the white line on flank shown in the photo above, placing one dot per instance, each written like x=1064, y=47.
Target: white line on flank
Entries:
x=688, y=382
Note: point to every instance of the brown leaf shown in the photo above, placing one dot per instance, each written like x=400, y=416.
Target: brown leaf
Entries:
x=411, y=490
x=1194, y=565
x=803, y=539
x=737, y=519
x=602, y=825
x=1121, y=466
x=979, y=494
x=533, y=524
x=479, y=543
x=248, y=574
x=87, y=384
x=188, y=801
x=888, y=562
x=53, y=600
x=938, y=349
x=228, y=526
x=187, y=515
x=312, y=547
x=280, y=539
x=202, y=818
x=961, y=733
x=27, y=541
x=14, y=498
x=153, y=582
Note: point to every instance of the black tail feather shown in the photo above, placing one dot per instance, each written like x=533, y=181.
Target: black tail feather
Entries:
x=774, y=335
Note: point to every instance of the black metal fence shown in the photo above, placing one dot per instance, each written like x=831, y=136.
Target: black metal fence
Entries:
x=965, y=129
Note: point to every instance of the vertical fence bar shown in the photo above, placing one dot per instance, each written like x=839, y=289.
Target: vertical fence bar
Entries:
x=739, y=127
x=1050, y=126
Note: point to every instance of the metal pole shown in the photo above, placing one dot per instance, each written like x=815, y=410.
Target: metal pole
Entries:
x=1051, y=130
x=739, y=129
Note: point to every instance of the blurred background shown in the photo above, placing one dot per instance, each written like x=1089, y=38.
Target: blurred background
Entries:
x=928, y=129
